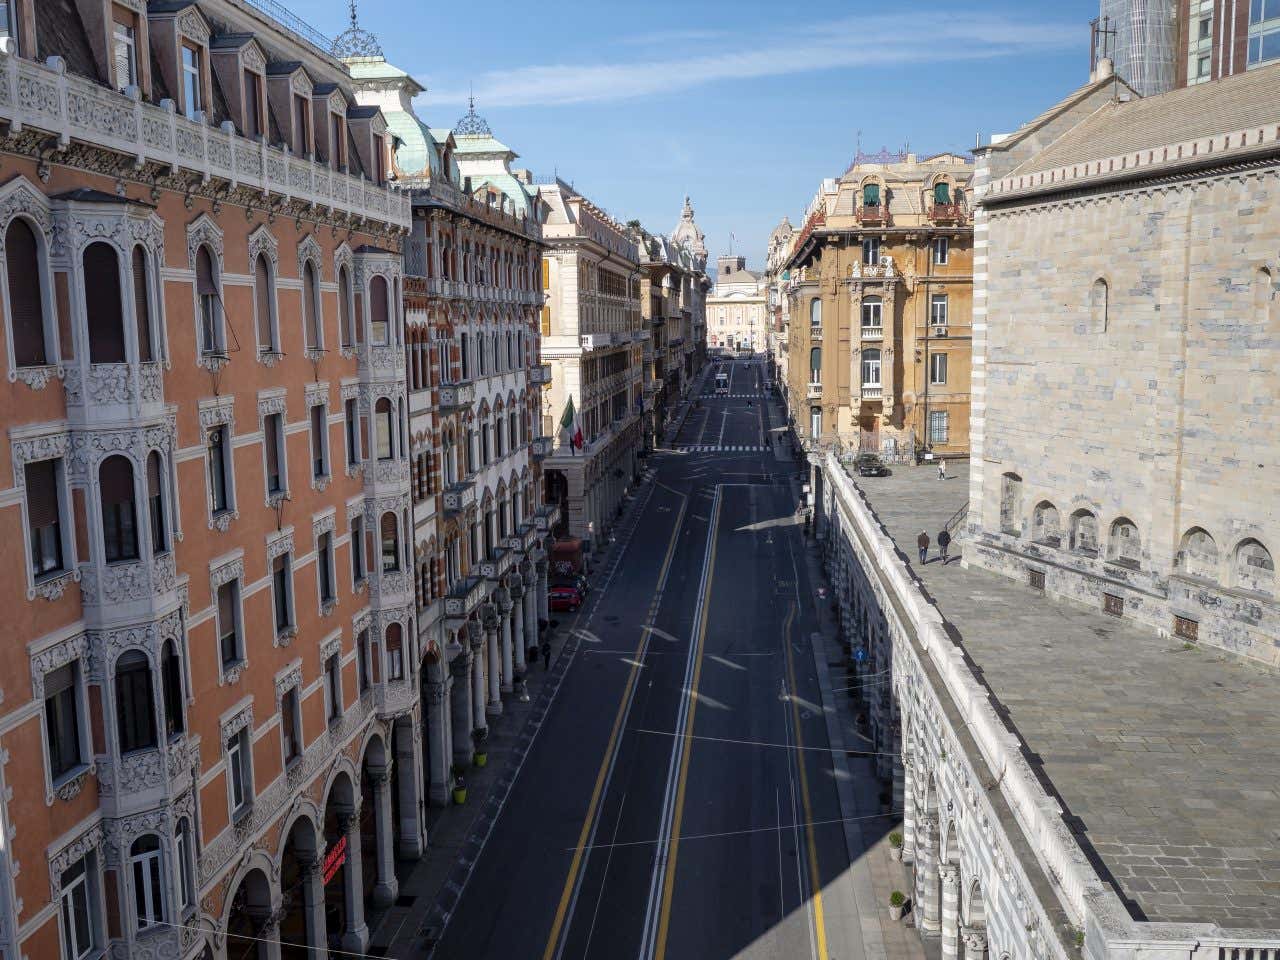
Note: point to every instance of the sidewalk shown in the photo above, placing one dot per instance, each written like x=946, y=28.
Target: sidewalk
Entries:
x=873, y=875
x=456, y=835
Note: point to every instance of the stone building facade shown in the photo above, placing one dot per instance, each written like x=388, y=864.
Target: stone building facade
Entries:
x=736, y=316
x=592, y=338
x=1126, y=434
x=777, y=303
x=212, y=679
x=879, y=280
x=472, y=263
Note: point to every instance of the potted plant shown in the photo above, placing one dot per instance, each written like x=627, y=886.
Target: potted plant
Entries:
x=895, y=846
x=478, y=737
x=459, y=785
x=897, y=900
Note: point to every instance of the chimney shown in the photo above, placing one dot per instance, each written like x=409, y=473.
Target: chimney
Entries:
x=1106, y=68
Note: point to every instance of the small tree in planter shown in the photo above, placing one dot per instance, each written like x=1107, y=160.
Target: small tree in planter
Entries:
x=895, y=846
x=459, y=785
x=478, y=737
x=897, y=900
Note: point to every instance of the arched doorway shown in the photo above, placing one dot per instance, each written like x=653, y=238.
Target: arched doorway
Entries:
x=249, y=919
x=340, y=867
x=302, y=887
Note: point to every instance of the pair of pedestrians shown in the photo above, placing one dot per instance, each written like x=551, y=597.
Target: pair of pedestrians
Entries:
x=944, y=544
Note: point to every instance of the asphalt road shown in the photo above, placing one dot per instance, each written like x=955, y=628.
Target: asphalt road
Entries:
x=679, y=800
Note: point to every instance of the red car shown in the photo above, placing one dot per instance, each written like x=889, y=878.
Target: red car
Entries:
x=565, y=598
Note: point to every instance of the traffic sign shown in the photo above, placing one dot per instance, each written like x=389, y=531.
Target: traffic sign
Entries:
x=860, y=655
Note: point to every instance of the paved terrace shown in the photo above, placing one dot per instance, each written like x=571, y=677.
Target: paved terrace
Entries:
x=1167, y=758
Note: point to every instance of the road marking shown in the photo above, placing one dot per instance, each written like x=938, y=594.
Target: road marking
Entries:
x=815, y=900
x=662, y=883
x=573, y=882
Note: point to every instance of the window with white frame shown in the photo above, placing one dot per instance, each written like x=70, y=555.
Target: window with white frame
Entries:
x=218, y=456
x=938, y=309
x=230, y=631
x=333, y=686
x=47, y=526
x=319, y=441
x=871, y=368
x=282, y=592
x=184, y=851
x=324, y=568
x=146, y=868
x=939, y=426
x=395, y=652
x=358, y=569
x=63, y=721
x=938, y=368
x=364, y=677
x=209, y=305
x=124, y=50
x=192, y=93
x=135, y=703
x=941, y=251
x=264, y=304
x=870, y=251
x=81, y=908
x=30, y=318
x=274, y=452
x=872, y=315
x=351, y=415
x=239, y=771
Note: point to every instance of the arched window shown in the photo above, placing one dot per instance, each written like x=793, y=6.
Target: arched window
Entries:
x=102, y=304
x=390, y=542
x=1197, y=555
x=148, y=885
x=872, y=315
x=346, y=308
x=815, y=422
x=1254, y=569
x=174, y=701
x=942, y=193
x=1084, y=533
x=815, y=312
x=379, y=307
x=395, y=652
x=155, y=503
x=513, y=428
x=212, y=341
x=1123, y=545
x=463, y=343
x=450, y=459
x=871, y=368
x=264, y=299
x=135, y=704
x=871, y=195
x=142, y=312
x=385, y=428
x=1011, y=504
x=497, y=436
x=119, y=517
x=1098, y=297
x=1045, y=525
x=815, y=365
x=1264, y=295
x=26, y=295
x=184, y=853
x=311, y=307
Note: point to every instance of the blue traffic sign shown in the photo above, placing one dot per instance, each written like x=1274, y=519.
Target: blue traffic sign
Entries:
x=860, y=654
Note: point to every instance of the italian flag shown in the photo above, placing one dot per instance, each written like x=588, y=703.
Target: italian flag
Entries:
x=571, y=423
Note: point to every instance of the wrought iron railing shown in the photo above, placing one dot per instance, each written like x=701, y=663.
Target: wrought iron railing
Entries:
x=291, y=21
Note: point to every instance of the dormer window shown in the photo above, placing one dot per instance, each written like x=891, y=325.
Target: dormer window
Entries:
x=192, y=94
x=124, y=52
x=254, y=125
x=301, y=124
x=337, y=141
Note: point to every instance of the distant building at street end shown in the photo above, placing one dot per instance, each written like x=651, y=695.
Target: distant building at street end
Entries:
x=879, y=282
x=1125, y=434
x=592, y=337
x=736, y=307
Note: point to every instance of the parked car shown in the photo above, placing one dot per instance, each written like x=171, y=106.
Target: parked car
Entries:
x=870, y=465
x=565, y=598
x=576, y=580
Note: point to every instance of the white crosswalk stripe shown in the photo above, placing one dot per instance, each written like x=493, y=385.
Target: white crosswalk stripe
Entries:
x=722, y=448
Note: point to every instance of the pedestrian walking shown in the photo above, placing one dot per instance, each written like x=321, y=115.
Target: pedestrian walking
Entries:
x=942, y=469
x=546, y=654
x=922, y=542
x=944, y=541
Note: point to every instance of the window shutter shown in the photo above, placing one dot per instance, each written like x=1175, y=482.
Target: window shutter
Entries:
x=273, y=446
x=310, y=296
x=25, y=302
x=262, y=297
x=252, y=110
x=124, y=71
x=142, y=304
x=42, y=493
x=378, y=300
x=226, y=608
x=153, y=475
x=204, y=274
x=106, y=319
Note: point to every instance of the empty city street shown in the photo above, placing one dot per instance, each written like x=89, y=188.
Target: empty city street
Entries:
x=679, y=801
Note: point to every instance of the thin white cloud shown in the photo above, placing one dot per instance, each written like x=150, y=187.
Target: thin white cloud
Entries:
x=855, y=43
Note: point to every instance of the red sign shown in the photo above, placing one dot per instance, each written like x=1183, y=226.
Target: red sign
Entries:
x=334, y=858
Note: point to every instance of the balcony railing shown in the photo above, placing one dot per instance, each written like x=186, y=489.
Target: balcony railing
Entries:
x=873, y=333
x=455, y=395
x=815, y=332
x=459, y=497
x=540, y=447
x=540, y=375
x=44, y=97
x=872, y=391
x=947, y=213
x=873, y=214
x=813, y=392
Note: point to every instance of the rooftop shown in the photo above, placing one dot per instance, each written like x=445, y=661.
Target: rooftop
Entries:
x=1164, y=758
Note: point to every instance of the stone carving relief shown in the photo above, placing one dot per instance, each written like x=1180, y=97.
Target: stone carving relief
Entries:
x=89, y=841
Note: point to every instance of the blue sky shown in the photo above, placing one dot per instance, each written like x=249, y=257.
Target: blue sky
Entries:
x=744, y=105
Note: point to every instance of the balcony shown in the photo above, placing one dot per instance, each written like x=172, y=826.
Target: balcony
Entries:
x=464, y=597
x=498, y=564
x=546, y=517
x=873, y=333
x=947, y=213
x=872, y=391
x=456, y=395
x=815, y=333
x=873, y=215
x=540, y=376
x=597, y=341
x=459, y=497
x=540, y=447
x=36, y=95
x=813, y=392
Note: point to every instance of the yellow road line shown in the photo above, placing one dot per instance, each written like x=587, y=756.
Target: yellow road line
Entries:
x=668, y=884
x=570, y=882
x=819, y=921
